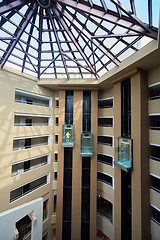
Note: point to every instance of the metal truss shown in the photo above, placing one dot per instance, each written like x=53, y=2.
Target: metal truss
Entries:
x=70, y=38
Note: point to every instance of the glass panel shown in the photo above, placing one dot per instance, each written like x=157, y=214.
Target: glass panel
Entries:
x=86, y=144
x=68, y=136
x=123, y=153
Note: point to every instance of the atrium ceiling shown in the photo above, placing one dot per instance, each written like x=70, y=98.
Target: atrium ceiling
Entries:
x=73, y=38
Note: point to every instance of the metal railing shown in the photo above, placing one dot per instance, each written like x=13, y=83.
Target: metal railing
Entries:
x=32, y=103
x=29, y=169
x=29, y=146
x=29, y=191
x=31, y=124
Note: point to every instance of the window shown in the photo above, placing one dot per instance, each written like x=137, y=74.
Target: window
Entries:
x=104, y=208
x=105, y=103
x=155, y=122
x=28, y=187
x=154, y=91
x=45, y=209
x=155, y=152
x=155, y=183
x=105, y=122
x=156, y=215
x=55, y=204
x=30, y=164
x=56, y=121
x=32, y=98
x=104, y=178
x=24, y=226
x=56, y=157
x=103, y=158
x=21, y=119
x=106, y=140
x=57, y=103
x=30, y=142
x=55, y=175
x=56, y=139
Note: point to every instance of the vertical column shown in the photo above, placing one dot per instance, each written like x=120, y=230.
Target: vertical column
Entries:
x=60, y=167
x=93, y=183
x=77, y=167
x=140, y=174
x=117, y=171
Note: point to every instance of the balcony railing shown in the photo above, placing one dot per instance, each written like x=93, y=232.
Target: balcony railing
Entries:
x=31, y=102
x=68, y=135
x=87, y=144
x=31, y=124
x=29, y=146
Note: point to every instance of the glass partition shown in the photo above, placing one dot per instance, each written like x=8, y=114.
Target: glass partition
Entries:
x=123, y=153
x=68, y=135
x=87, y=144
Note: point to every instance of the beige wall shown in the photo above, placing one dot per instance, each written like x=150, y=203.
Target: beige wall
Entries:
x=8, y=83
x=77, y=167
x=103, y=189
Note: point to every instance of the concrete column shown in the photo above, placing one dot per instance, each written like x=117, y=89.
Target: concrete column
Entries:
x=60, y=167
x=77, y=167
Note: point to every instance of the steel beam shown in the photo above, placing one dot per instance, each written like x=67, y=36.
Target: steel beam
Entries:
x=98, y=44
x=29, y=40
x=18, y=33
x=115, y=35
x=62, y=21
x=51, y=45
x=12, y=5
x=128, y=22
x=150, y=12
x=133, y=7
x=27, y=57
x=69, y=47
x=104, y=5
x=132, y=16
x=40, y=40
x=57, y=39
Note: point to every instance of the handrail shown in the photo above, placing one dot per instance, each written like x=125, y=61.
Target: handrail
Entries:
x=32, y=103
x=31, y=124
x=29, y=146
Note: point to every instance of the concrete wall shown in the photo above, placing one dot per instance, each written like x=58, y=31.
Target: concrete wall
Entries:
x=9, y=218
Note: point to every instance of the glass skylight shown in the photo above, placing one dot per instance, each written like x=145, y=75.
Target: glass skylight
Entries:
x=73, y=39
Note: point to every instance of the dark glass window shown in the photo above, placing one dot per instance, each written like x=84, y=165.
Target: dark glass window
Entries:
x=56, y=121
x=67, y=194
x=87, y=111
x=69, y=107
x=24, y=226
x=105, y=103
x=126, y=109
x=155, y=183
x=27, y=165
x=104, y=178
x=106, y=140
x=56, y=157
x=155, y=122
x=155, y=152
x=154, y=92
x=85, y=208
x=55, y=175
x=105, y=122
x=155, y=215
x=104, y=159
x=104, y=207
x=28, y=122
x=57, y=103
x=56, y=139
x=28, y=143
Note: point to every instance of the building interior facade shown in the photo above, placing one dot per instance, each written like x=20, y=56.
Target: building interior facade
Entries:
x=80, y=119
